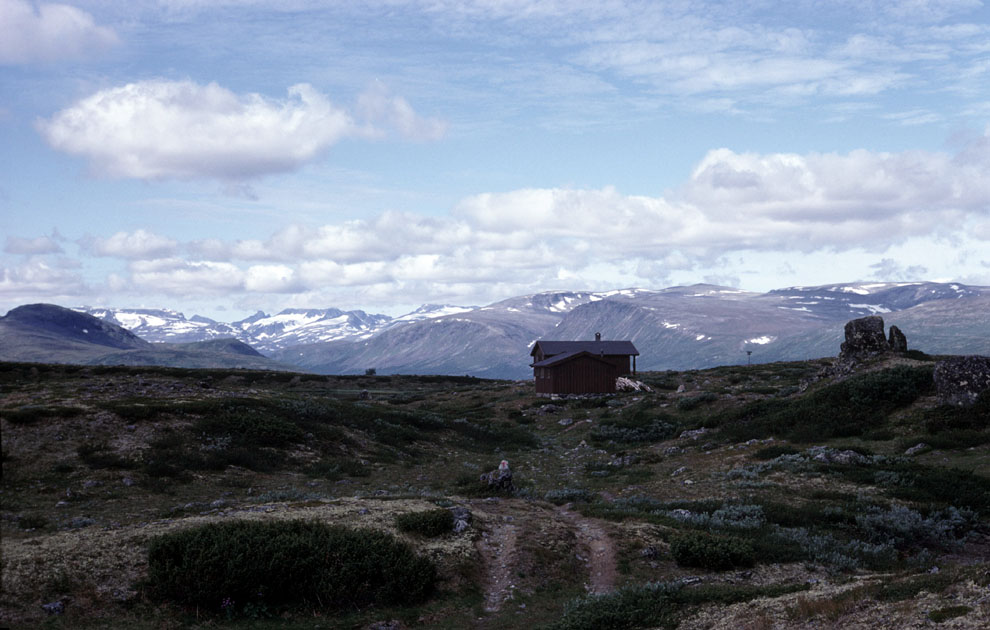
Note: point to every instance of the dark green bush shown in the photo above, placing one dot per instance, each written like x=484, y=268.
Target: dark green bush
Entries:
x=974, y=417
x=642, y=425
x=103, y=456
x=429, y=523
x=249, y=428
x=693, y=402
x=285, y=563
x=645, y=606
x=949, y=612
x=848, y=408
x=901, y=590
x=30, y=414
x=710, y=551
x=333, y=468
x=655, y=605
x=568, y=495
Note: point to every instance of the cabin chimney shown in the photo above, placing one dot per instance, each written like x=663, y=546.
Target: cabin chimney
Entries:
x=598, y=336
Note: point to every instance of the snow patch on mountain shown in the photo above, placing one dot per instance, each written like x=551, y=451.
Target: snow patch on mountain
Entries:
x=762, y=341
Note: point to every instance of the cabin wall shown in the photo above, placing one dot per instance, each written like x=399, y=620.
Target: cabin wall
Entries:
x=583, y=375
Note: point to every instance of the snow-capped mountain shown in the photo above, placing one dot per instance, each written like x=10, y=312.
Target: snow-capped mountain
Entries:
x=675, y=328
x=267, y=333
x=162, y=325
x=294, y=326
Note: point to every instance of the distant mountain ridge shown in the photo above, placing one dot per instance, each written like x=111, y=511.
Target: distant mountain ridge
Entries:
x=268, y=333
x=679, y=328
x=46, y=333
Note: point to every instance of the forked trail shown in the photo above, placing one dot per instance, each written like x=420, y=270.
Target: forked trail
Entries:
x=499, y=547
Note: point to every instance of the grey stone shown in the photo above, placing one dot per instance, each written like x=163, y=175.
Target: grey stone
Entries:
x=54, y=608
x=499, y=479
x=79, y=522
x=835, y=456
x=461, y=513
x=564, y=422
x=695, y=434
x=864, y=336
x=896, y=340
x=917, y=448
x=960, y=380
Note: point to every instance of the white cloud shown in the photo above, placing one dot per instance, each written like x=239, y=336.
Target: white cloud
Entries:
x=180, y=129
x=271, y=279
x=139, y=244
x=38, y=279
x=734, y=207
x=381, y=108
x=52, y=32
x=31, y=246
x=179, y=277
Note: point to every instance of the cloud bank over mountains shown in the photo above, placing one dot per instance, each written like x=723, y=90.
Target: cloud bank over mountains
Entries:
x=528, y=239
x=245, y=154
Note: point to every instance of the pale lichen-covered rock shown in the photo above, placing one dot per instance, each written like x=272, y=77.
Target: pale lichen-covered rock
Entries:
x=625, y=384
x=500, y=478
x=961, y=380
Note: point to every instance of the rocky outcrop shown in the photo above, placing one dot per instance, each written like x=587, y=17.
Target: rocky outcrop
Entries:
x=961, y=380
x=864, y=337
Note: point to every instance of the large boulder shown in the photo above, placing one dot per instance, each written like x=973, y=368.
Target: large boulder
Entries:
x=961, y=380
x=864, y=336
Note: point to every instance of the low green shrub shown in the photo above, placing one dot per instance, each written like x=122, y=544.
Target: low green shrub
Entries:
x=712, y=552
x=776, y=450
x=103, y=456
x=31, y=414
x=656, y=604
x=901, y=590
x=949, y=612
x=334, y=468
x=691, y=403
x=568, y=495
x=640, y=426
x=429, y=523
x=847, y=408
x=649, y=605
x=248, y=428
x=220, y=566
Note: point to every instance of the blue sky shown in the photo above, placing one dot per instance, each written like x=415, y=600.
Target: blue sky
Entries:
x=220, y=157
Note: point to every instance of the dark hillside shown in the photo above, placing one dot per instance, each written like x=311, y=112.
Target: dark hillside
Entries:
x=788, y=493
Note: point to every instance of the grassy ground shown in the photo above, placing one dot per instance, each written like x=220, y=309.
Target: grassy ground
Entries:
x=756, y=496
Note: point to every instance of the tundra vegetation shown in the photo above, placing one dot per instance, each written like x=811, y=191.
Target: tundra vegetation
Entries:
x=764, y=496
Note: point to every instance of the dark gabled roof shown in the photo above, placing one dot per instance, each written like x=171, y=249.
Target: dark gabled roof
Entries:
x=595, y=347
x=567, y=356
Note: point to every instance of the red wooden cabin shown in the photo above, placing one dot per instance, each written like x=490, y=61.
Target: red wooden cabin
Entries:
x=581, y=367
